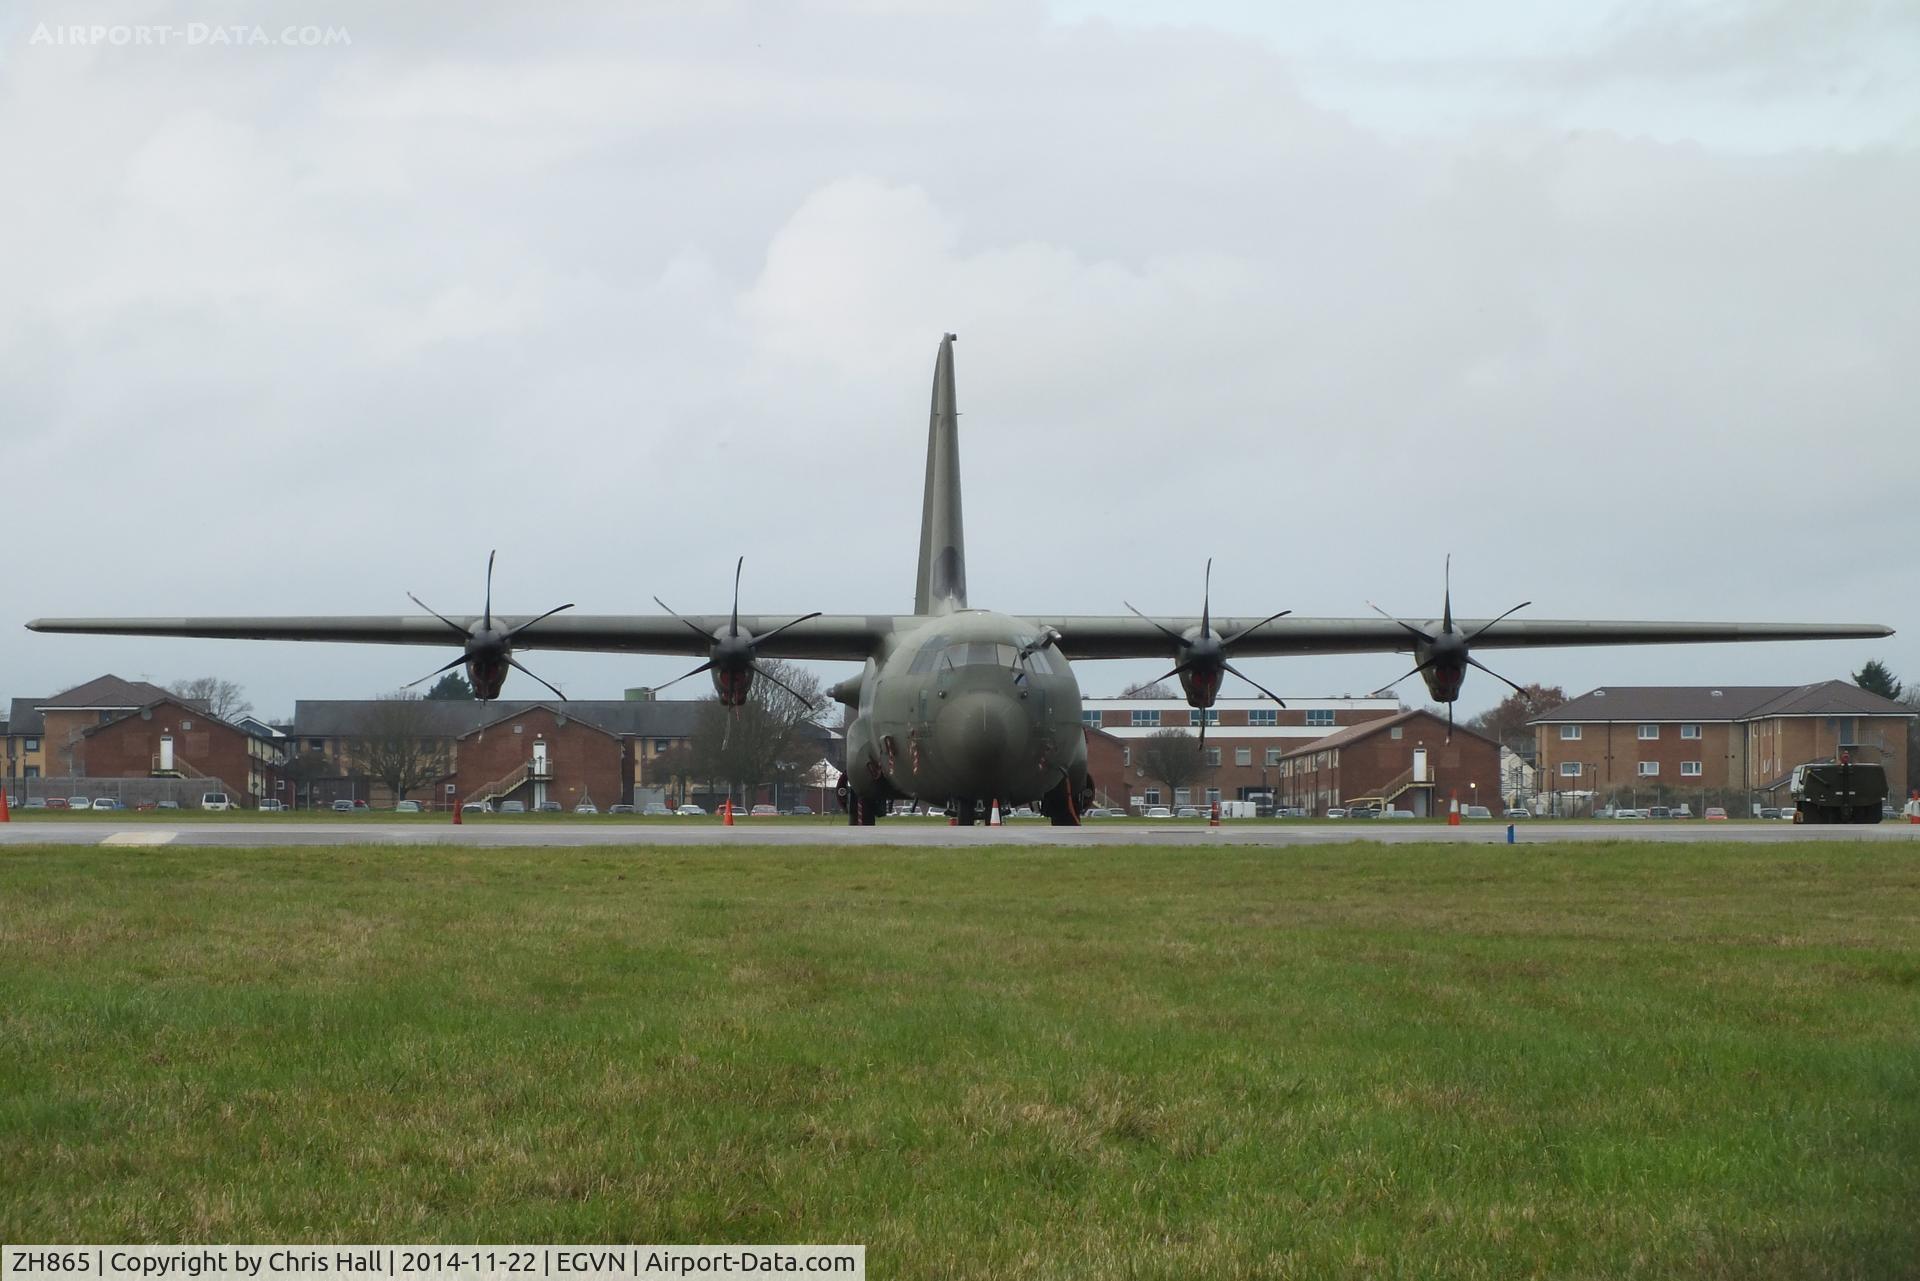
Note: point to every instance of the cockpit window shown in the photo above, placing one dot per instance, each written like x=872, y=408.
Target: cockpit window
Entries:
x=923, y=661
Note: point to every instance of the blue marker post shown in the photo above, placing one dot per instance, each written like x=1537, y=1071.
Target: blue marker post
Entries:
x=1510, y=833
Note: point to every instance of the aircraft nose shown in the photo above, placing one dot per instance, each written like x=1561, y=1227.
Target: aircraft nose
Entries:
x=982, y=730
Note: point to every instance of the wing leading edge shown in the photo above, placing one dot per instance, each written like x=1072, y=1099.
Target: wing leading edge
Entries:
x=856, y=637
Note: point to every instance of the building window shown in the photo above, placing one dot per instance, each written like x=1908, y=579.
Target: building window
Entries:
x=1182, y=796
x=1689, y=769
x=1263, y=716
x=1569, y=769
x=1148, y=720
x=31, y=745
x=1243, y=756
x=1090, y=717
x=1151, y=796
x=1213, y=757
x=1569, y=733
x=1126, y=756
x=1397, y=733
x=32, y=771
x=316, y=744
x=1649, y=731
x=1689, y=731
x=1649, y=769
x=1320, y=716
x=1213, y=796
x=1209, y=715
x=1273, y=756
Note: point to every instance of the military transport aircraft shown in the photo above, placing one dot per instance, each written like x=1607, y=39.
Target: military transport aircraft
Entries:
x=954, y=704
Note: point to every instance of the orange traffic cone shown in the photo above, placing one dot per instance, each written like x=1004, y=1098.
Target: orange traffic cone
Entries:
x=726, y=810
x=1453, y=809
x=993, y=819
x=6, y=814
x=457, y=807
x=1213, y=815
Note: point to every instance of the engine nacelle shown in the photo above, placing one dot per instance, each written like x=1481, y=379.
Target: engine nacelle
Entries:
x=1201, y=682
x=1444, y=681
x=733, y=685
x=486, y=675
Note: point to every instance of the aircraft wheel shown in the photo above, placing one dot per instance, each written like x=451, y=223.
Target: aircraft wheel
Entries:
x=1058, y=805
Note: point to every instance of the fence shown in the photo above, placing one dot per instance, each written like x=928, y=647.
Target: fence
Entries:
x=130, y=792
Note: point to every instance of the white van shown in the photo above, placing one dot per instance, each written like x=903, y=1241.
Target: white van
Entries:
x=215, y=801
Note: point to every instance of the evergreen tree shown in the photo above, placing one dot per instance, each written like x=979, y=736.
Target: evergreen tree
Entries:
x=451, y=686
x=1876, y=679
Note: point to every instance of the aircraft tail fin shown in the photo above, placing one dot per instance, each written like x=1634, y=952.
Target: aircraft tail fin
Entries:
x=942, y=587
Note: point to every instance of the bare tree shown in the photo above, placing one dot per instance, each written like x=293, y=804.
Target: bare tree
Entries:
x=1173, y=757
x=1506, y=722
x=768, y=739
x=1148, y=689
x=394, y=746
x=222, y=699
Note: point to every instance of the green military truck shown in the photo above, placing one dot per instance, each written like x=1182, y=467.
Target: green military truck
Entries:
x=1843, y=790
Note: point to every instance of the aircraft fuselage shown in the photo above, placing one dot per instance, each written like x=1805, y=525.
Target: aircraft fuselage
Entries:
x=973, y=706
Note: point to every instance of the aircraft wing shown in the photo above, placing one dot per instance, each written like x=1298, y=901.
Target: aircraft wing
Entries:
x=1121, y=636
x=848, y=637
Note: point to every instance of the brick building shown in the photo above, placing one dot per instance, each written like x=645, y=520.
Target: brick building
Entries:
x=523, y=750
x=171, y=738
x=1719, y=744
x=1246, y=740
x=43, y=733
x=1406, y=761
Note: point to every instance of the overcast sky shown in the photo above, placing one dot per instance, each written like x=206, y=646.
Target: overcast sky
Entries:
x=1621, y=309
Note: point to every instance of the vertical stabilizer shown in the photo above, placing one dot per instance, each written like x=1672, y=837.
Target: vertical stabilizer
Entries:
x=943, y=546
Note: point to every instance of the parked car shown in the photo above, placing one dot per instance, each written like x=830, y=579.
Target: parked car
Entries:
x=405, y=807
x=1336, y=812
x=167, y=805
x=216, y=801
x=1628, y=814
x=1715, y=814
x=1186, y=811
x=105, y=803
x=801, y=811
x=1159, y=811
x=1393, y=813
x=1515, y=811
x=623, y=809
x=656, y=810
x=1660, y=811
x=1682, y=811
x=547, y=807
x=1769, y=811
x=78, y=803
x=56, y=802
x=272, y=806
x=477, y=807
x=339, y=807
x=1363, y=811
x=764, y=811
x=587, y=807
x=513, y=807
x=35, y=803
x=1476, y=811
x=690, y=810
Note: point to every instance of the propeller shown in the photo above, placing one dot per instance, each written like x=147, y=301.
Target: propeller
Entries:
x=1203, y=658
x=733, y=660
x=487, y=651
x=1443, y=659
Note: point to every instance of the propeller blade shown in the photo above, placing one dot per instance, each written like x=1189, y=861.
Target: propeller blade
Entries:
x=1176, y=637
x=1168, y=675
x=1449, y=722
x=1474, y=662
x=436, y=613
x=1202, y=713
x=531, y=621
x=761, y=640
x=701, y=632
x=1411, y=629
x=489, y=610
x=1244, y=632
x=682, y=676
x=1485, y=628
x=1256, y=684
x=521, y=667
x=766, y=675
x=733, y=628
x=1446, y=617
x=1206, y=601
x=1417, y=669
x=436, y=672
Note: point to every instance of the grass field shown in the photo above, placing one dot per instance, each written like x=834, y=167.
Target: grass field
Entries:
x=1576, y=1061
